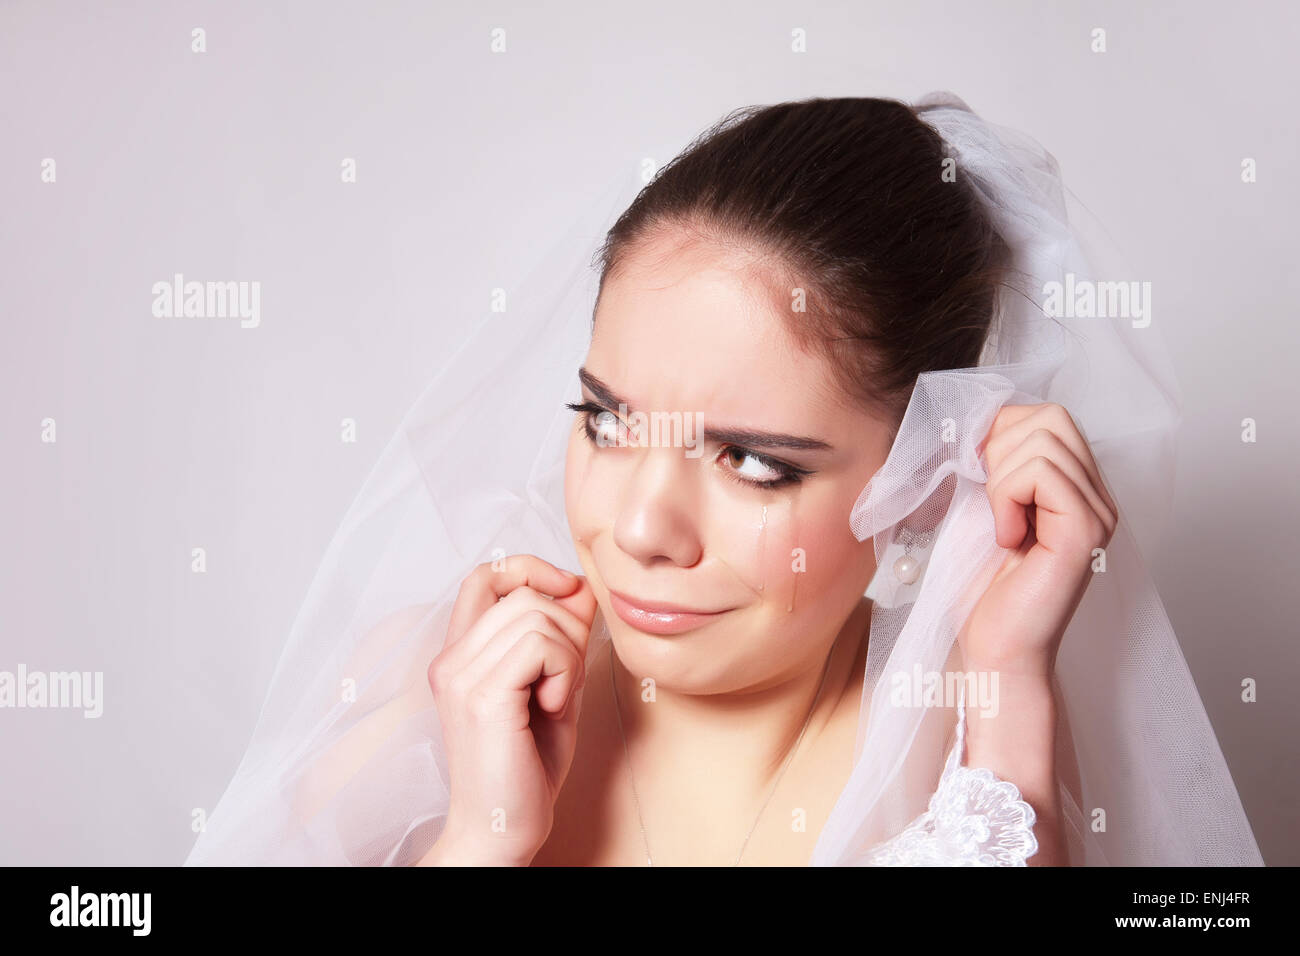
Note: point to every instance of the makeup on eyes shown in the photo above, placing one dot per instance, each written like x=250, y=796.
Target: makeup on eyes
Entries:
x=785, y=473
x=748, y=438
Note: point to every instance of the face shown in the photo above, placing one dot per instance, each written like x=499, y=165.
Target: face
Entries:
x=747, y=517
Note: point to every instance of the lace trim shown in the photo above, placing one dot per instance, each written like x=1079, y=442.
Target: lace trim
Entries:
x=974, y=819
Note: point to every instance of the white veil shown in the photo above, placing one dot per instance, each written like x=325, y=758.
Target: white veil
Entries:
x=347, y=766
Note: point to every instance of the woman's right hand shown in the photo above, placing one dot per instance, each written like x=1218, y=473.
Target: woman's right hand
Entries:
x=506, y=687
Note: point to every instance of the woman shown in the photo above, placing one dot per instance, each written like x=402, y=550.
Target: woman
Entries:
x=776, y=319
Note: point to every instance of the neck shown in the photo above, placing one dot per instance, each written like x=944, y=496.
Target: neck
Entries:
x=744, y=737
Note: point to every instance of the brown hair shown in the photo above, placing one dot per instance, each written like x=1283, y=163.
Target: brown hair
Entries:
x=844, y=199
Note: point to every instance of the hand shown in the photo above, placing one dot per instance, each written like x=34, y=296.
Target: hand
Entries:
x=506, y=686
x=1050, y=504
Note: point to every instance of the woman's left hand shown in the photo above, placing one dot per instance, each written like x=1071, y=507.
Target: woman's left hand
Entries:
x=1050, y=504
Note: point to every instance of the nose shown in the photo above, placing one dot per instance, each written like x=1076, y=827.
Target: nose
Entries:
x=656, y=520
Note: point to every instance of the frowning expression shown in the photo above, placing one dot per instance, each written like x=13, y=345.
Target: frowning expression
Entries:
x=739, y=511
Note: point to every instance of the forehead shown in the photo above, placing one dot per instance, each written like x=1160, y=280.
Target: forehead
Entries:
x=694, y=325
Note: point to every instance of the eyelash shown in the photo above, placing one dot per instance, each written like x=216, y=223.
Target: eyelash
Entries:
x=789, y=474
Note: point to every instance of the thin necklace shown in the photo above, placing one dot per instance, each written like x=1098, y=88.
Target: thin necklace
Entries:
x=619, y=713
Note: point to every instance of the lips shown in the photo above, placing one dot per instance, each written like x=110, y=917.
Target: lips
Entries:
x=657, y=617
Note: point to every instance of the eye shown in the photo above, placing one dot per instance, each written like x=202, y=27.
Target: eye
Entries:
x=751, y=468
x=604, y=428
x=601, y=426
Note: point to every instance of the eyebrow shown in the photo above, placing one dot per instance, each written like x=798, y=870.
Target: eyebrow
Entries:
x=747, y=437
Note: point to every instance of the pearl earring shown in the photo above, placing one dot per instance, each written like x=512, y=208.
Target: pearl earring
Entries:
x=908, y=567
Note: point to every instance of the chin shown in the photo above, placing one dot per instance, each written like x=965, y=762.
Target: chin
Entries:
x=695, y=662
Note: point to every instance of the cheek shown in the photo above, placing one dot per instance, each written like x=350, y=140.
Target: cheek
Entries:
x=590, y=489
x=795, y=552
x=577, y=471
x=827, y=570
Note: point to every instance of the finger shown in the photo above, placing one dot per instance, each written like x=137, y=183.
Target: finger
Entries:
x=1064, y=522
x=1008, y=416
x=523, y=600
x=540, y=659
x=1021, y=420
x=582, y=603
x=486, y=585
x=518, y=603
x=1048, y=444
x=495, y=649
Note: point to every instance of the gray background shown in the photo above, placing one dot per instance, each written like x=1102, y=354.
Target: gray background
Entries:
x=175, y=434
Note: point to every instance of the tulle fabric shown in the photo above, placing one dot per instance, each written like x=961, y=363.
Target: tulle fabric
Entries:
x=347, y=766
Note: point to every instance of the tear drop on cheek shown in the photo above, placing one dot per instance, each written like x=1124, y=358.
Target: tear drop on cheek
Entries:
x=794, y=567
x=762, y=544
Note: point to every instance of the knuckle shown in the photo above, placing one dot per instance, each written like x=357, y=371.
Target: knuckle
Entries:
x=568, y=651
x=532, y=619
x=473, y=581
x=1042, y=434
x=1095, y=531
x=436, y=674
x=520, y=595
x=534, y=641
x=1062, y=415
x=540, y=621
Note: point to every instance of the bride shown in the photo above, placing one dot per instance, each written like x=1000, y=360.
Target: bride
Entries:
x=845, y=294
x=737, y=660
